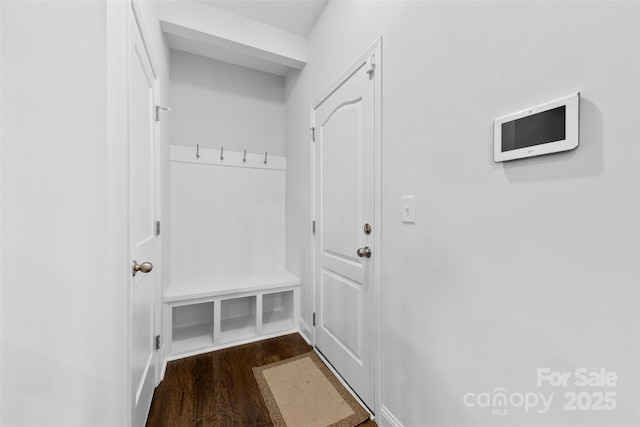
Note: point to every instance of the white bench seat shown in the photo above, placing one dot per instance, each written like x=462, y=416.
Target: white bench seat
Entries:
x=183, y=290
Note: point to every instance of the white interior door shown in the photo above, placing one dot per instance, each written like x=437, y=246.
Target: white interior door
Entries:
x=144, y=242
x=344, y=181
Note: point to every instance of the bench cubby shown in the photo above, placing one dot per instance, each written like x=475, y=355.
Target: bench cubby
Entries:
x=192, y=326
x=238, y=319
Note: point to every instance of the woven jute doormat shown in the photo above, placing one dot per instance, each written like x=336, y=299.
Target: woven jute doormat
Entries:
x=302, y=392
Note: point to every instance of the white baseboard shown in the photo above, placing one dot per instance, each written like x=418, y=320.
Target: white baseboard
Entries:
x=163, y=369
x=306, y=331
x=387, y=419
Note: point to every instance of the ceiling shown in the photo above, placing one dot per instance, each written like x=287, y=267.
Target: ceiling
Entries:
x=294, y=16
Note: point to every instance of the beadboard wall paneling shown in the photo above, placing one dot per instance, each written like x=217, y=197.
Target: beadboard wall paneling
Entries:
x=225, y=220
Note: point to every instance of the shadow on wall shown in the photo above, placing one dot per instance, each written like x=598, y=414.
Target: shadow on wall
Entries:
x=586, y=160
x=291, y=80
x=213, y=76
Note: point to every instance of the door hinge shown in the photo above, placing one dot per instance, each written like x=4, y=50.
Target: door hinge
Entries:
x=157, y=228
x=313, y=227
x=313, y=134
x=314, y=318
x=157, y=342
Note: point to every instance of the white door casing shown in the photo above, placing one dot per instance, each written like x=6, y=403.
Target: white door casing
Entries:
x=345, y=163
x=143, y=202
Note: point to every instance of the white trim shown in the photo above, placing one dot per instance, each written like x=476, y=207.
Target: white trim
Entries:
x=305, y=331
x=376, y=49
x=0, y=208
x=208, y=156
x=157, y=316
x=118, y=18
x=137, y=13
x=357, y=64
x=312, y=252
x=163, y=370
x=377, y=233
x=258, y=338
x=387, y=419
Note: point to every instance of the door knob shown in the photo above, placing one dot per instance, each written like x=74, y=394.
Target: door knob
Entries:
x=364, y=252
x=145, y=267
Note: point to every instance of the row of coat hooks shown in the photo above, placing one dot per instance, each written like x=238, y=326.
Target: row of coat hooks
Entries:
x=244, y=157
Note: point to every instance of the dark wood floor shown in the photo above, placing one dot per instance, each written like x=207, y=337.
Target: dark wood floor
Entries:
x=218, y=388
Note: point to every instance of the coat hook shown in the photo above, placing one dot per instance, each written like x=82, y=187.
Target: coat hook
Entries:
x=158, y=108
x=197, y=151
x=265, y=157
x=244, y=159
x=221, y=153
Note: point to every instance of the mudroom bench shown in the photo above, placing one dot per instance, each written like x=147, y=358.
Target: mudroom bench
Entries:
x=205, y=314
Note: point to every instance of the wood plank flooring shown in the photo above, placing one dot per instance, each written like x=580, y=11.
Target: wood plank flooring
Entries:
x=218, y=388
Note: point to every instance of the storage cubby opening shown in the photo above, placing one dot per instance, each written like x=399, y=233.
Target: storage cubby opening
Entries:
x=237, y=319
x=277, y=312
x=192, y=327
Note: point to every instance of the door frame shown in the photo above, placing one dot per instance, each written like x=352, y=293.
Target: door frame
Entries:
x=119, y=17
x=161, y=362
x=135, y=18
x=374, y=49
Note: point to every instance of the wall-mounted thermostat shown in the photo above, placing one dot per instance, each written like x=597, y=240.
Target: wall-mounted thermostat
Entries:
x=543, y=129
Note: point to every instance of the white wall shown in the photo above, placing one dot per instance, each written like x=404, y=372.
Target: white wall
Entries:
x=216, y=104
x=64, y=263
x=54, y=214
x=510, y=267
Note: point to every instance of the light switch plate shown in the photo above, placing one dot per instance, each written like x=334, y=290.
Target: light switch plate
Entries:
x=408, y=209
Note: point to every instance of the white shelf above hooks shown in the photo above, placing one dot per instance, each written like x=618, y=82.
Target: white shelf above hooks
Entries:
x=241, y=159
